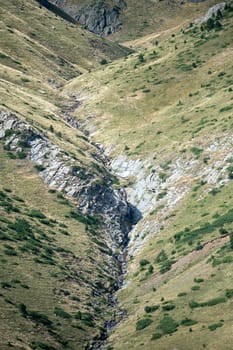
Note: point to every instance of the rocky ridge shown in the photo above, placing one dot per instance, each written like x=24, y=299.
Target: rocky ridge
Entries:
x=99, y=17
x=156, y=191
x=210, y=13
x=93, y=195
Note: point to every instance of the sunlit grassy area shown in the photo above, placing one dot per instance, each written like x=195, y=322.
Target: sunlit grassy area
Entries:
x=176, y=272
x=170, y=99
x=48, y=263
x=174, y=95
x=173, y=98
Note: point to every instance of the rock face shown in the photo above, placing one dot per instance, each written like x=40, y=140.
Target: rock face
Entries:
x=212, y=11
x=100, y=17
x=157, y=189
x=94, y=195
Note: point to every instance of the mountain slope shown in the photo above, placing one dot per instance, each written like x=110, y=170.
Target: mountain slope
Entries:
x=164, y=115
x=59, y=263
x=130, y=161
x=127, y=20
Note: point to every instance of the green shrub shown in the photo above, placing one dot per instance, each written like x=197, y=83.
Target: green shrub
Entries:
x=166, y=266
x=34, y=213
x=196, y=151
x=87, y=319
x=149, y=309
x=225, y=109
x=161, y=194
x=41, y=345
x=23, y=309
x=198, y=280
x=187, y=322
x=168, y=325
x=156, y=336
x=39, y=167
x=212, y=302
x=195, y=287
x=10, y=252
x=58, y=311
x=168, y=307
x=229, y=293
x=39, y=318
x=103, y=61
x=9, y=132
x=87, y=219
x=193, y=304
x=21, y=155
x=143, y=262
x=22, y=229
x=214, y=326
x=78, y=315
x=141, y=58
x=150, y=269
x=143, y=323
x=161, y=257
x=230, y=172
x=5, y=285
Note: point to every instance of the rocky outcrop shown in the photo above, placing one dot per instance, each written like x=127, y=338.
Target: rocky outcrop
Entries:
x=157, y=189
x=212, y=11
x=93, y=194
x=100, y=17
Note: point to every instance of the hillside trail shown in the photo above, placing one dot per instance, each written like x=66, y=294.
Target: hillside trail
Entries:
x=137, y=43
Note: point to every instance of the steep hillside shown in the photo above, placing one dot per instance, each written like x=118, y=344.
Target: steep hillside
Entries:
x=164, y=115
x=36, y=41
x=129, y=19
x=116, y=179
x=60, y=248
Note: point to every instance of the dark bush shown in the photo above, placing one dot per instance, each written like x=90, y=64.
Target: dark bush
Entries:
x=43, y=346
x=198, y=280
x=168, y=307
x=103, y=61
x=143, y=323
x=143, y=262
x=149, y=309
x=229, y=293
x=34, y=213
x=21, y=155
x=39, y=318
x=195, y=287
x=156, y=336
x=187, y=322
x=214, y=326
x=212, y=302
x=23, y=309
x=168, y=325
x=9, y=132
x=61, y=313
x=39, y=167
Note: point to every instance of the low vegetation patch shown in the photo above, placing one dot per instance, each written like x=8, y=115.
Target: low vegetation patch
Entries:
x=143, y=323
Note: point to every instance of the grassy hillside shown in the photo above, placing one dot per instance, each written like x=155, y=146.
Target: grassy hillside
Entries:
x=175, y=93
x=35, y=41
x=55, y=274
x=172, y=102
x=49, y=296
x=146, y=17
x=179, y=290
x=167, y=107
x=140, y=18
